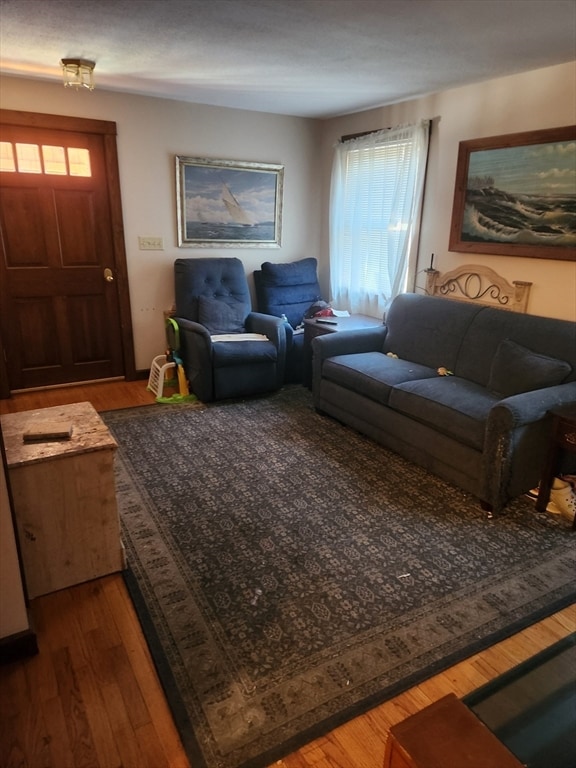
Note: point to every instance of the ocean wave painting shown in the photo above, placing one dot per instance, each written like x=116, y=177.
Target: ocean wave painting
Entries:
x=492, y=215
x=516, y=195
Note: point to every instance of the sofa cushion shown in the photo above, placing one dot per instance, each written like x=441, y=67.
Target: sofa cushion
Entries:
x=372, y=374
x=247, y=353
x=287, y=288
x=451, y=405
x=428, y=329
x=543, y=335
x=220, y=316
x=290, y=273
x=516, y=369
x=218, y=278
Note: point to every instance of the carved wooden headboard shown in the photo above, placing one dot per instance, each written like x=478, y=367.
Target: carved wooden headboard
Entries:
x=481, y=285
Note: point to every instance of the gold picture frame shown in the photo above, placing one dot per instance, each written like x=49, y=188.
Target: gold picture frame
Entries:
x=228, y=203
x=515, y=195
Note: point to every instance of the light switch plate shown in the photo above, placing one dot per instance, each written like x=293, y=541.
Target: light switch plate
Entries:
x=151, y=243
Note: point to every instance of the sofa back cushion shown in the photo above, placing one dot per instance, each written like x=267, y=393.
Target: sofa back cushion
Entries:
x=428, y=330
x=516, y=369
x=287, y=289
x=221, y=279
x=543, y=336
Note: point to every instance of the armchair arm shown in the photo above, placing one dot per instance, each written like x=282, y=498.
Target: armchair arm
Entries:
x=189, y=326
x=275, y=329
x=196, y=354
x=269, y=325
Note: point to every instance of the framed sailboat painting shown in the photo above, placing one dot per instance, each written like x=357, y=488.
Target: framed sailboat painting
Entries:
x=228, y=204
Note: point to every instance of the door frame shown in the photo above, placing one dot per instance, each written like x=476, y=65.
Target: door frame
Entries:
x=108, y=131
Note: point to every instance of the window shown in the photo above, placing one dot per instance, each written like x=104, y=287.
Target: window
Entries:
x=34, y=158
x=375, y=204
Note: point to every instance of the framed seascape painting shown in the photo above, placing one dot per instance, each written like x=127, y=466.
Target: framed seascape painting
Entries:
x=515, y=195
x=228, y=204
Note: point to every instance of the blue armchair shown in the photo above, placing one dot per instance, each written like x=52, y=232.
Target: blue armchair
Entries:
x=213, y=299
x=289, y=289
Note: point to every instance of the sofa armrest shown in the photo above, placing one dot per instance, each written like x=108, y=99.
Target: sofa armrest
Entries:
x=528, y=407
x=516, y=440
x=348, y=342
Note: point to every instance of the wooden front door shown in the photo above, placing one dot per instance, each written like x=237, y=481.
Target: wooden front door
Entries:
x=64, y=294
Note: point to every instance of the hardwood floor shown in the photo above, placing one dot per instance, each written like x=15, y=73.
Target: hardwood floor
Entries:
x=91, y=697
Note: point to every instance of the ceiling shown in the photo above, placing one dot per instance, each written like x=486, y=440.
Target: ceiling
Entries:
x=310, y=58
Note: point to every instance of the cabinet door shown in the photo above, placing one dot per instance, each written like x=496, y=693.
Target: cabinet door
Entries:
x=67, y=520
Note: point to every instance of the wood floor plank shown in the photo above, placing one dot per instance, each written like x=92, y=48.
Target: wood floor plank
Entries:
x=123, y=673
x=15, y=690
x=357, y=742
x=125, y=738
x=56, y=621
x=41, y=677
x=13, y=751
x=93, y=612
x=33, y=734
x=60, y=748
x=126, y=620
x=98, y=719
x=74, y=710
x=150, y=747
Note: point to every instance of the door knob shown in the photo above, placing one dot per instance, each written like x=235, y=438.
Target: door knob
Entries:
x=108, y=276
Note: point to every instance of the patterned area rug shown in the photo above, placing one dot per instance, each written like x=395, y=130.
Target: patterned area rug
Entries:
x=290, y=574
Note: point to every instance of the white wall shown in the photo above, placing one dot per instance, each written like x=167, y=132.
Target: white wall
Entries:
x=150, y=133
x=544, y=98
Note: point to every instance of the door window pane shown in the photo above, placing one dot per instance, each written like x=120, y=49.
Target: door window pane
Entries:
x=54, y=160
x=28, y=156
x=79, y=160
x=7, y=157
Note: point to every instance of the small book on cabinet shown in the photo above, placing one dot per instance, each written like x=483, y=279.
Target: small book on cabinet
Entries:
x=45, y=431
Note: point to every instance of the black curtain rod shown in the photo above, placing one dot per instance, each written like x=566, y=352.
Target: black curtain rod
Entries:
x=351, y=136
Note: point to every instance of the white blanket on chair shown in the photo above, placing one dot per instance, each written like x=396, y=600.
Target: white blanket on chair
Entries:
x=239, y=337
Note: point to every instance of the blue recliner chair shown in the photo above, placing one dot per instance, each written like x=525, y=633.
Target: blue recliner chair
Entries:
x=213, y=299
x=289, y=289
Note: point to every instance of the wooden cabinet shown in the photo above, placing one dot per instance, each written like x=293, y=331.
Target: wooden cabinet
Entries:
x=445, y=735
x=562, y=439
x=64, y=498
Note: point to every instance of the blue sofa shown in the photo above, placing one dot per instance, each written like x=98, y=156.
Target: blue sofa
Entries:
x=485, y=427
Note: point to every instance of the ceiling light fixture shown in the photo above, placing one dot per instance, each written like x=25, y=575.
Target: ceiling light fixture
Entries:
x=78, y=73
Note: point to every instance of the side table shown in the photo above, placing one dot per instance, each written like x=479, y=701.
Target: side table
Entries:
x=445, y=734
x=64, y=498
x=312, y=328
x=562, y=438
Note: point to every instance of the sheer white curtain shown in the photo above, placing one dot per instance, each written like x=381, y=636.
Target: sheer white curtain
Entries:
x=375, y=204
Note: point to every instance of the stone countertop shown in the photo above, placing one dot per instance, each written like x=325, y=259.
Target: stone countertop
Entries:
x=89, y=433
